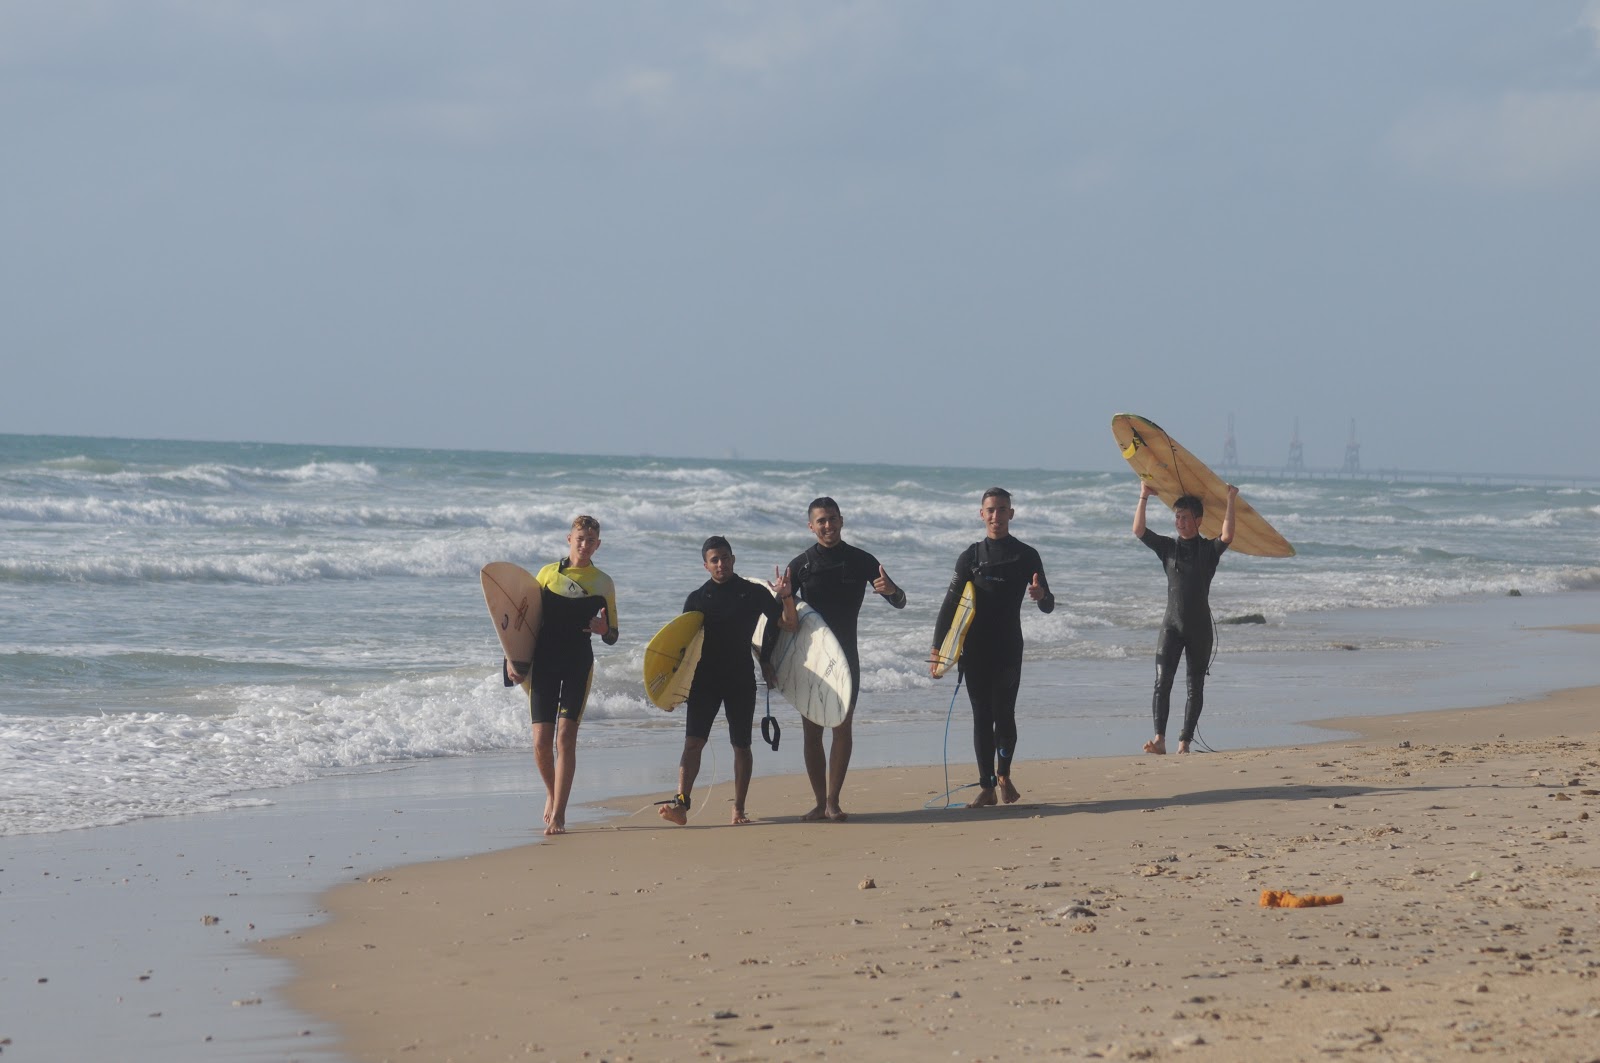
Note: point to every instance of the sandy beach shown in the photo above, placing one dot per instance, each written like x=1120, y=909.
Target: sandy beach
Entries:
x=1112, y=913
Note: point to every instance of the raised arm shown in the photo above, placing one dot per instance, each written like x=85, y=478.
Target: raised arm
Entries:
x=1138, y=511
x=892, y=592
x=1227, y=517
x=783, y=590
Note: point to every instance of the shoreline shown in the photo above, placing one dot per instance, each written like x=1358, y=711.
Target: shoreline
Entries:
x=1112, y=911
x=106, y=944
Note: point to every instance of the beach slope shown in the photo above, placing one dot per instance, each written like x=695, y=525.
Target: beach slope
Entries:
x=1114, y=912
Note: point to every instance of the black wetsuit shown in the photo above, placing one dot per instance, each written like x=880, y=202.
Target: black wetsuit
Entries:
x=991, y=658
x=724, y=676
x=1186, y=628
x=833, y=581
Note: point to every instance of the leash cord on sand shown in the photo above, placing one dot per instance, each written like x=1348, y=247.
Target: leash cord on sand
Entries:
x=710, y=789
x=945, y=797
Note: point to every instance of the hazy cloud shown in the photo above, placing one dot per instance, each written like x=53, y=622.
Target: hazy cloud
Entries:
x=784, y=35
x=1522, y=139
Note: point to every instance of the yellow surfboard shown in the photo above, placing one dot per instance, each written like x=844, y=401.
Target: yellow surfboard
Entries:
x=670, y=660
x=955, y=638
x=1173, y=472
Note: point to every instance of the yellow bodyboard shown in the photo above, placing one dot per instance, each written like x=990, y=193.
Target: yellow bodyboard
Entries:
x=670, y=660
x=950, y=649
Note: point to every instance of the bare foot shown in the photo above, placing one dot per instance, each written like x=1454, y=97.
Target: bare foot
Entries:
x=1157, y=745
x=985, y=799
x=816, y=815
x=1008, y=793
x=1183, y=747
x=673, y=812
x=549, y=808
x=739, y=817
x=556, y=827
x=837, y=814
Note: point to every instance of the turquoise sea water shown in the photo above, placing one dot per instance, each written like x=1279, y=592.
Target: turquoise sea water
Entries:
x=190, y=626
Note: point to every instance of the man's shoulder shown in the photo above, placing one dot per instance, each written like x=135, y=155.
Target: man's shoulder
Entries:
x=859, y=555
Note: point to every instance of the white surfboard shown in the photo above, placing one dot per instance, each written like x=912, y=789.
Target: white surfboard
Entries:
x=512, y=595
x=813, y=674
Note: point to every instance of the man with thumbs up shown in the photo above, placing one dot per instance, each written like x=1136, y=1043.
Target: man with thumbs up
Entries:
x=832, y=577
x=1001, y=570
x=578, y=601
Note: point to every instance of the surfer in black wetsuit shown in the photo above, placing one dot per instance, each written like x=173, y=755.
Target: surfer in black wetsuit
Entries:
x=723, y=679
x=1001, y=569
x=832, y=577
x=1190, y=561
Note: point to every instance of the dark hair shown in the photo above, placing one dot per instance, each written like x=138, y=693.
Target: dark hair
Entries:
x=996, y=492
x=714, y=543
x=822, y=502
x=1192, y=503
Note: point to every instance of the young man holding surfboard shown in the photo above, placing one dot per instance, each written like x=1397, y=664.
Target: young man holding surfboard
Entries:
x=1191, y=561
x=832, y=577
x=1001, y=570
x=578, y=601
x=723, y=679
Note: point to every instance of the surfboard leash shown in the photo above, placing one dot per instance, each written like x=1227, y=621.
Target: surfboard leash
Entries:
x=945, y=797
x=771, y=730
x=1216, y=647
x=694, y=810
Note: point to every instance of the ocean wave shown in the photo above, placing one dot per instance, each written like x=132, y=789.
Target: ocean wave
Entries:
x=1582, y=579
x=212, y=475
x=59, y=773
x=426, y=558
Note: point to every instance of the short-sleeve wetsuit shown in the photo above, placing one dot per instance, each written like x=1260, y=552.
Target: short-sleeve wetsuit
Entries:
x=833, y=580
x=563, y=656
x=724, y=676
x=991, y=658
x=1186, y=628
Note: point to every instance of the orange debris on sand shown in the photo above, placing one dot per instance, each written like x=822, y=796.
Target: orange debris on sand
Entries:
x=1285, y=899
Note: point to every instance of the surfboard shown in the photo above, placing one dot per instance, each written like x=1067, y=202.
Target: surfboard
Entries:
x=670, y=660
x=956, y=636
x=1173, y=472
x=512, y=594
x=813, y=674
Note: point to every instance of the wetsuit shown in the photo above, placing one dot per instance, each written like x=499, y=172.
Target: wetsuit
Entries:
x=1186, y=628
x=991, y=658
x=563, y=657
x=724, y=676
x=834, y=581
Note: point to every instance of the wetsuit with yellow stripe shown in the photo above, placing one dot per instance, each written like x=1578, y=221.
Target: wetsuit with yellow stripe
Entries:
x=563, y=657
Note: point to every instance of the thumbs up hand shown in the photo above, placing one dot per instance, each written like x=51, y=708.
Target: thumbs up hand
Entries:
x=883, y=584
x=598, y=624
x=1036, y=590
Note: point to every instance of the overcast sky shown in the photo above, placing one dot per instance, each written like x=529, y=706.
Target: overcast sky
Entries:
x=936, y=233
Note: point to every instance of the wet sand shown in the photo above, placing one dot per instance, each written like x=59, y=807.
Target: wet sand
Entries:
x=1112, y=913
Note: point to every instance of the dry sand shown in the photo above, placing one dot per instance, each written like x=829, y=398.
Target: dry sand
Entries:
x=1112, y=913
